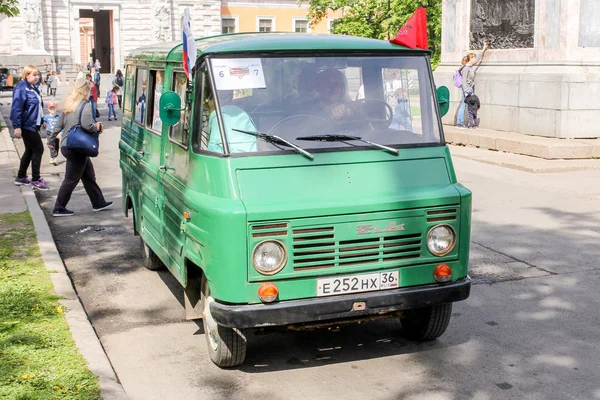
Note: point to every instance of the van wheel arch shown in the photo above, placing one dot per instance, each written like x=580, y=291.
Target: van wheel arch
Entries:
x=192, y=289
x=129, y=205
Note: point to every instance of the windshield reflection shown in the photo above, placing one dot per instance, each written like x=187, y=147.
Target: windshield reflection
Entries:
x=386, y=100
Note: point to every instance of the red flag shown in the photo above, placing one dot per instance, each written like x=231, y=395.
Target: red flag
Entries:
x=413, y=33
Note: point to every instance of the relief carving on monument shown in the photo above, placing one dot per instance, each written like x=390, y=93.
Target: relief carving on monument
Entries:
x=506, y=24
x=162, y=20
x=32, y=24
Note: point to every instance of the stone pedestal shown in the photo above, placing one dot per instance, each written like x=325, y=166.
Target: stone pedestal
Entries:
x=548, y=83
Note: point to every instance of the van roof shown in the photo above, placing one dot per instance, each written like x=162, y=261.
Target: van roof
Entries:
x=257, y=42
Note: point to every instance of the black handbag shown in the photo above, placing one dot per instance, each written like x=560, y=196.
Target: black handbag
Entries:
x=81, y=141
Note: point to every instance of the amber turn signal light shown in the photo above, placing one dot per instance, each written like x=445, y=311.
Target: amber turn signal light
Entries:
x=442, y=273
x=268, y=292
x=186, y=215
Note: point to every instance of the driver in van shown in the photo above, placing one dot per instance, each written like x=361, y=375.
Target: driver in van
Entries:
x=233, y=118
x=332, y=98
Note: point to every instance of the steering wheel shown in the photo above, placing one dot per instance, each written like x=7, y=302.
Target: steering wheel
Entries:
x=297, y=128
x=362, y=108
x=381, y=123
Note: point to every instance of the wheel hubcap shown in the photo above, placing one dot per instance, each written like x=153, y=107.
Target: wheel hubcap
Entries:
x=210, y=325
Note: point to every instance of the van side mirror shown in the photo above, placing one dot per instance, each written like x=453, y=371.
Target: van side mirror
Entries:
x=443, y=96
x=170, y=108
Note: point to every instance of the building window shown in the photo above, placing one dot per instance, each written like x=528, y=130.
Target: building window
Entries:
x=300, y=25
x=331, y=22
x=265, y=25
x=228, y=25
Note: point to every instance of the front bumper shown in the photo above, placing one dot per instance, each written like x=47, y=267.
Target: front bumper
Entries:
x=338, y=307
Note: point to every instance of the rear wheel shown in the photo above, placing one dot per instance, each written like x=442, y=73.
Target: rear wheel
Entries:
x=427, y=323
x=226, y=346
x=149, y=258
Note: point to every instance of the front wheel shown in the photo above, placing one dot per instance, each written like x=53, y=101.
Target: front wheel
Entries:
x=427, y=323
x=226, y=346
x=149, y=258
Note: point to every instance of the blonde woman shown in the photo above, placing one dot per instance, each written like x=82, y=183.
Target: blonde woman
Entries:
x=26, y=116
x=79, y=166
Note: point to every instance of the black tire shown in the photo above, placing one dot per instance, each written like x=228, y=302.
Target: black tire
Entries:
x=226, y=346
x=427, y=323
x=149, y=258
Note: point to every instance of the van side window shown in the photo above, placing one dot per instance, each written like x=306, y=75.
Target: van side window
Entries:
x=153, y=121
x=129, y=87
x=141, y=89
x=179, y=132
x=203, y=131
x=401, y=90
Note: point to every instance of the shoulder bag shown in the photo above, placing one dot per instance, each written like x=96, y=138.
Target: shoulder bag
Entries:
x=81, y=141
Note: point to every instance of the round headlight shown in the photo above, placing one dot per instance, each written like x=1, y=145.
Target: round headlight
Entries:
x=269, y=257
x=441, y=240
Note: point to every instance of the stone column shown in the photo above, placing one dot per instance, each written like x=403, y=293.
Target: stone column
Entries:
x=541, y=75
x=33, y=30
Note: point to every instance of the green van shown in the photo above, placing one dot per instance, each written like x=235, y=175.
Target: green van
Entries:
x=295, y=181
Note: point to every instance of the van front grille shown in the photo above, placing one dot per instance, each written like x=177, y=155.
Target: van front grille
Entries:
x=318, y=248
x=271, y=230
x=448, y=214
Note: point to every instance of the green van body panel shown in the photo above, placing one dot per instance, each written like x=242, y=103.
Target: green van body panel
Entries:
x=235, y=202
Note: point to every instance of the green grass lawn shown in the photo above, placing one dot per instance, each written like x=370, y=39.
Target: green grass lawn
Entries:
x=38, y=358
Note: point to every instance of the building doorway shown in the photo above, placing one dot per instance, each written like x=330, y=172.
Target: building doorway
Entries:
x=96, y=38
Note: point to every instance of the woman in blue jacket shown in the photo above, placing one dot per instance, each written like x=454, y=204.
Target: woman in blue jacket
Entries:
x=26, y=116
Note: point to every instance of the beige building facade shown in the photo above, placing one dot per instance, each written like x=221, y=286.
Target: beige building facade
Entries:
x=68, y=32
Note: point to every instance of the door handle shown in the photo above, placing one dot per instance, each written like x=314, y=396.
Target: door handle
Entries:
x=141, y=153
x=165, y=168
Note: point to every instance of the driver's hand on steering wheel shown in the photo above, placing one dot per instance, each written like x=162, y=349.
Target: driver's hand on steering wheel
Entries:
x=340, y=110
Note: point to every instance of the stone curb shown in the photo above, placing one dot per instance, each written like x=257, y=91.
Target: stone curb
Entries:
x=522, y=162
x=516, y=143
x=80, y=326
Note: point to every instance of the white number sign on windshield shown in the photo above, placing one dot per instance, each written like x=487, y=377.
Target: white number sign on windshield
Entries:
x=238, y=73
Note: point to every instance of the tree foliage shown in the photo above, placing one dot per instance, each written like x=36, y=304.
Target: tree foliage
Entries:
x=10, y=8
x=379, y=19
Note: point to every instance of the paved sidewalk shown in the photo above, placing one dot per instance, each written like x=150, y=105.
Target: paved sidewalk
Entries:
x=21, y=198
x=517, y=143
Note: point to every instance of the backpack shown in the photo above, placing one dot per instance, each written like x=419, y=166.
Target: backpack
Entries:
x=458, y=77
x=119, y=81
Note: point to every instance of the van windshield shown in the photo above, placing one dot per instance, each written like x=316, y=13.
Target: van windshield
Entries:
x=319, y=102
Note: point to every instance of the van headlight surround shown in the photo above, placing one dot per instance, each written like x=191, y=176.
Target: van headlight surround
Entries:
x=269, y=257
x=441, y=240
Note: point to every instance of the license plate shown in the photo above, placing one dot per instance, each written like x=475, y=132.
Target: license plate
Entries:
x=357, y=283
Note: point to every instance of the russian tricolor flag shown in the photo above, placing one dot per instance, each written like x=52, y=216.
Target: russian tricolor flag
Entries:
x=189, y=45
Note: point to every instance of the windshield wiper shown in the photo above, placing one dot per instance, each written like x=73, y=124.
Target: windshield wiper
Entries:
x=343, y=138
x=277, y=140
